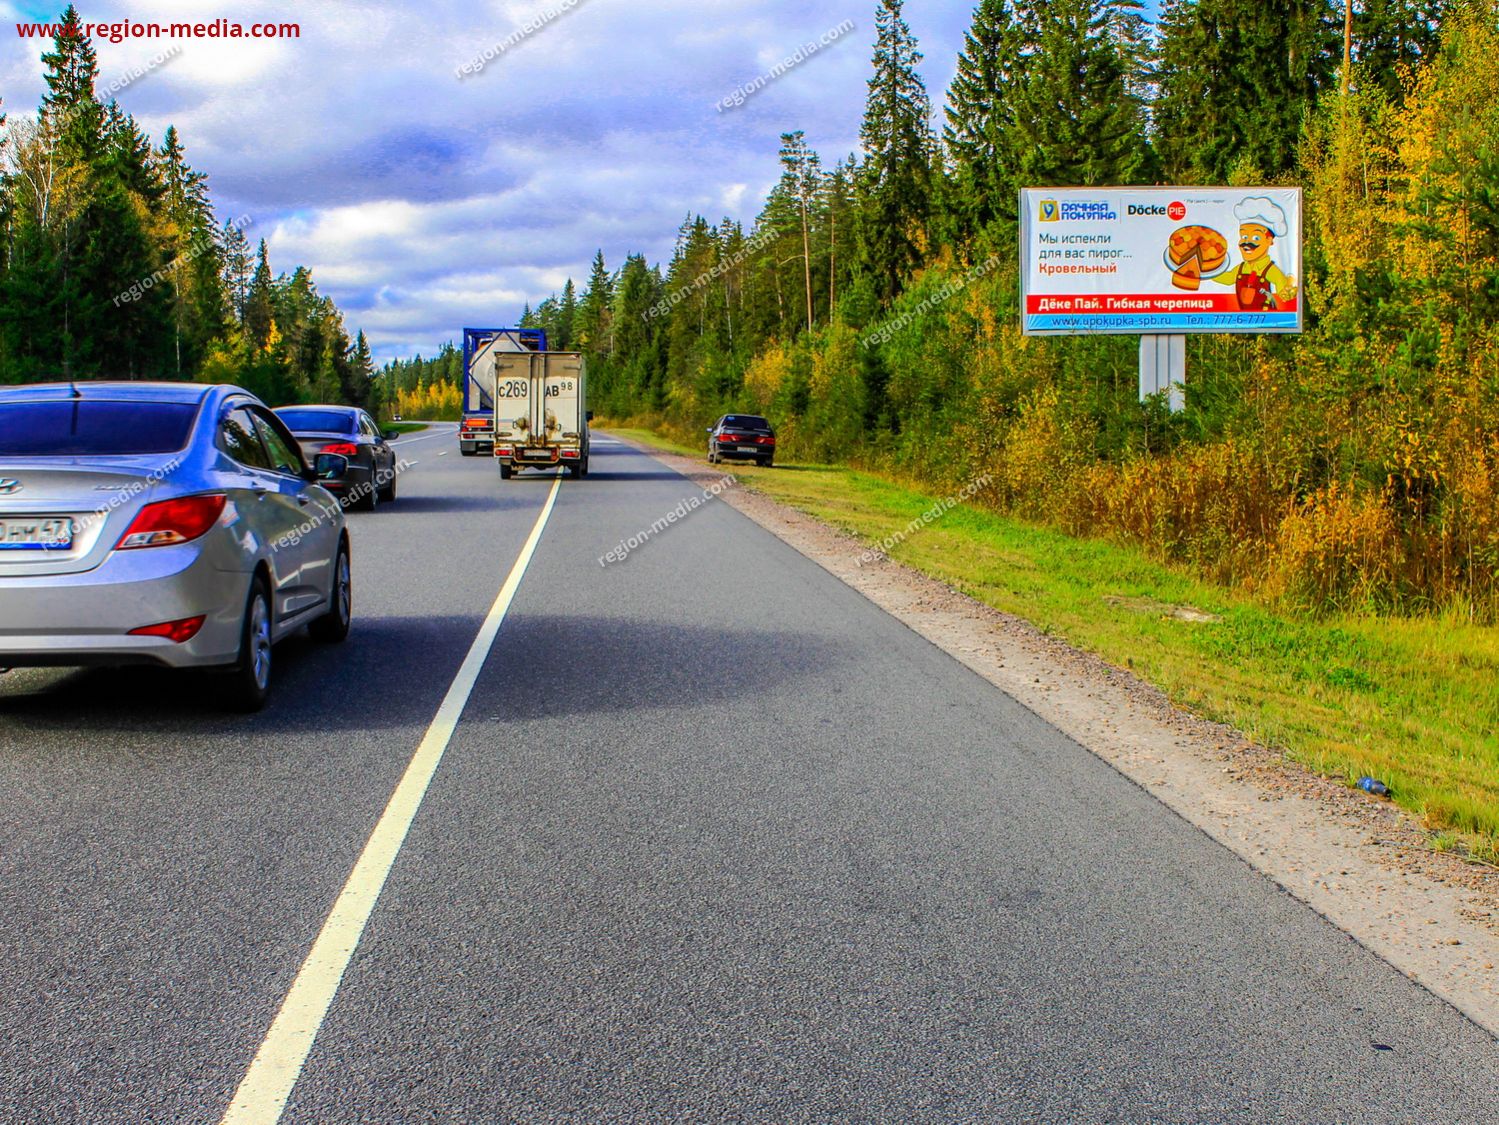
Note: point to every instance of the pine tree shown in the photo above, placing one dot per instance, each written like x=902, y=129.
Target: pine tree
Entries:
x=567, y=312
x=897, y=141
x=259, y=307
x=188, y=237
x=185, y=191
x=326, y=384
x=730, y=253
x=1076, y=120
x=114, y=255
x=801, y=177
x=1236, y=80
x=837, y=204
x=1133, y=35
x=72, y=69
x=236, y=268
x=635, y=337
x=1394, y=37
x=594, y=313
x=362, y=368
x=126, y=155
x=353, y=390
x=980, y=130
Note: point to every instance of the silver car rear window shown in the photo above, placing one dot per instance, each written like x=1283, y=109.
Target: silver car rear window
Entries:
x=85, y=428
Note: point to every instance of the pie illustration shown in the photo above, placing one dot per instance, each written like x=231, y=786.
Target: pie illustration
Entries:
x=1193, y=253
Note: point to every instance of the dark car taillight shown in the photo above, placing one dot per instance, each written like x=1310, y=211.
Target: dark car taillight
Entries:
x=342, y=449
x=169, y=522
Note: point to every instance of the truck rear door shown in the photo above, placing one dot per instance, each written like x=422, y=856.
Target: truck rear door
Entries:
x=564, y=397
x=516, y=412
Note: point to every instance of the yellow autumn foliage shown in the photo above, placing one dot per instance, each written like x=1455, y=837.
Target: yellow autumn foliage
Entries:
x=438, y=402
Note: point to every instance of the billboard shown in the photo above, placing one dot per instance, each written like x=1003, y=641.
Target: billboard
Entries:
x=1160, y=260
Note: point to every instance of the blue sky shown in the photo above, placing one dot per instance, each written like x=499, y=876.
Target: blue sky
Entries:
x=424, y=202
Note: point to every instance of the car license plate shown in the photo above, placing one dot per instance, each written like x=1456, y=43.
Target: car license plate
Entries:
x=38, y=533
x=749, y=449
x=539, y=454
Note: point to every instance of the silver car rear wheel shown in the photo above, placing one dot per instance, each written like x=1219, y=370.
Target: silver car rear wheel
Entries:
x=333, y=626
x=248, y=685
x=260, y=644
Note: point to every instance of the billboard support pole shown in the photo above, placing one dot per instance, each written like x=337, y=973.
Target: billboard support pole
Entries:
x=1163, y=367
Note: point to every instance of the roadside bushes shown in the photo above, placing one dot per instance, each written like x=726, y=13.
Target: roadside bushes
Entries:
x=1356, y=466
x=1338, y=548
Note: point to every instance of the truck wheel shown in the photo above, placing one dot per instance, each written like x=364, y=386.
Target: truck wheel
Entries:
x=505, y=470
x=585, y=466
x=467, y=452
x=575, y=471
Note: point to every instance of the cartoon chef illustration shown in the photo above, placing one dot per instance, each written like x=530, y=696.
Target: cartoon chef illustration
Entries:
x=1258, y=283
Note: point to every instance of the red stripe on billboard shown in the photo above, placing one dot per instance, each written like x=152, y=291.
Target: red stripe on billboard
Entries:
x=1137, y=303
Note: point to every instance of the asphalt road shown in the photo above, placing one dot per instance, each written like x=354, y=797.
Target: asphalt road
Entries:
x=715, y=840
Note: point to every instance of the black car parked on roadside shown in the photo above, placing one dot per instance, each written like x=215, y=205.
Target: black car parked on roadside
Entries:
x=742, y=437
x=350, y=433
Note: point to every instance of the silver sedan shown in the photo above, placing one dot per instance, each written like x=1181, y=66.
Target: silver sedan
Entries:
x=163, y=523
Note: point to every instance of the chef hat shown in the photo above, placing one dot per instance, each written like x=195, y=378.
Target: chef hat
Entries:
x=1266, y=212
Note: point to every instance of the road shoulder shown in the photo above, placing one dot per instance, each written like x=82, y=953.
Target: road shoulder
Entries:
x=1360, y=863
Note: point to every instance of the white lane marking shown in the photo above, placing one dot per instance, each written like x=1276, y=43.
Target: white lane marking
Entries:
x=278, y=1063
x=423, y=437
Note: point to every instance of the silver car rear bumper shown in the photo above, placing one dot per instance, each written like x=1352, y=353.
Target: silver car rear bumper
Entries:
x=63, y=620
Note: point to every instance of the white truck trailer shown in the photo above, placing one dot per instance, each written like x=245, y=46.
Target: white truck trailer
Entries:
x=541, y=412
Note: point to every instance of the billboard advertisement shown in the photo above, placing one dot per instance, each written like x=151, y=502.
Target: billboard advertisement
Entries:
x=1160, y=260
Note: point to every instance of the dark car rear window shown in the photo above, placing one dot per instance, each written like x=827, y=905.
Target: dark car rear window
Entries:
x=317, y=421
x=84, y=428
x=746, y=422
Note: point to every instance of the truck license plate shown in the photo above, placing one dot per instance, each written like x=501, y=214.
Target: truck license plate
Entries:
x=40, y=533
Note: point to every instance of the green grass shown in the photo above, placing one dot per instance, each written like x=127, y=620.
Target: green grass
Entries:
x=658, y=441
x=1413, y=702
x=402, y=427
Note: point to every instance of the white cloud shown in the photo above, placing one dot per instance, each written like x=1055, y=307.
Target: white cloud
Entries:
x=422, y=202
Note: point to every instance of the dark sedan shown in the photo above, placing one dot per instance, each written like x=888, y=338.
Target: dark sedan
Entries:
x=350, y=433
x=742, y=437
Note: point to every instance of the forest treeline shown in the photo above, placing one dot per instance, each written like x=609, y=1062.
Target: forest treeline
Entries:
x=114, y=265
x=1356, y=465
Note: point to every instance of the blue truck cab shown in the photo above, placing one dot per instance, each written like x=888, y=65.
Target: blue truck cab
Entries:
x=476, y=429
